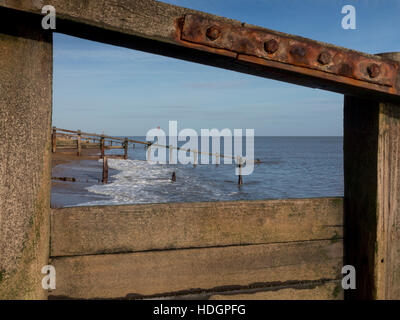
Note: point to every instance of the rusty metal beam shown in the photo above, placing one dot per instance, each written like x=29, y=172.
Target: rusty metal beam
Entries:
x=289, y=53
x=173, y=31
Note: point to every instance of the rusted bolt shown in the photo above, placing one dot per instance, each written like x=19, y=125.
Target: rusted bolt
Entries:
x=213, y=33
x=324, y=58
x=373, y=70
x=271, y=46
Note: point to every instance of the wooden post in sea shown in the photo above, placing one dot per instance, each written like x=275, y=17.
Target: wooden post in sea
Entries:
x=78, y=141
x=102, y=147
x=105, y=170
x=240, y=180
x=54, y=139
x=126, y=148
x=217, y=159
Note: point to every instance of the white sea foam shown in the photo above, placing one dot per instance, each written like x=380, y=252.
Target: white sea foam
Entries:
x=141, y=182
x=131, y=184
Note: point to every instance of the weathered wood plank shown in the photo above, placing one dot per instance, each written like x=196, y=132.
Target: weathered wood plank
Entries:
x=360, y=190
x=388, y=233
x=83, y=146
x=89, y=230
x=91, y=136
x=176, y=272
x=372, y=197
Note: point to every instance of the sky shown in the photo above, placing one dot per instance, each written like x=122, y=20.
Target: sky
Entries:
x=123, y=92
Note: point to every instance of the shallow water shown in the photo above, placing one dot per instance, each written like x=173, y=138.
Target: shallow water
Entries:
x=292, y=167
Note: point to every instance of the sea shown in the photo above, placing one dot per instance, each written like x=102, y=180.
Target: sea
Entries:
x=290, y=167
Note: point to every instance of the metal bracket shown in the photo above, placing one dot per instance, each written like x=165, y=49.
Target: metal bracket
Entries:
x=290, y=50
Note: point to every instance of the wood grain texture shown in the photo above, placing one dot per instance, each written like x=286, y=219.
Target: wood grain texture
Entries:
x=25, y=145
x=129, y=228
x=387, y=262
x=176, y=272
x=372, y=185
x=360, y=191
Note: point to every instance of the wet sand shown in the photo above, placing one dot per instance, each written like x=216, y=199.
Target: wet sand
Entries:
x=87, y=171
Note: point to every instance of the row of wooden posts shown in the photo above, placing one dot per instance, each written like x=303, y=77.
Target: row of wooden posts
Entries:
x=80, y=137
x=84, y=139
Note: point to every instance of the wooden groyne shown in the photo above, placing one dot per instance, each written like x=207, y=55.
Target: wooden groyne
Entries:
x=65, y=139
x=76, y=139
x=307, y=265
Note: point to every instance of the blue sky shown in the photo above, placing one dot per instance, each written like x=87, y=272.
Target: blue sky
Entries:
x=119, y=91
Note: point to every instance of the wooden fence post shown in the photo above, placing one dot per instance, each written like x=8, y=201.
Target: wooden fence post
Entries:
x=240, y=180
x=78, y=141
x=372, y=196
x=54, y=140
x=102, y=147
x=105, y=170
x=126, y=148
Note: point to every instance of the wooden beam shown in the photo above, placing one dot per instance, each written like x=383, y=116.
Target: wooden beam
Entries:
x=102, y=147
x=79, y=144
x=25, y=155
x=129, y=228
x=125, y=146
x=182, y=33
x=372, y=197
x=91, y=135
x=176, y=272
